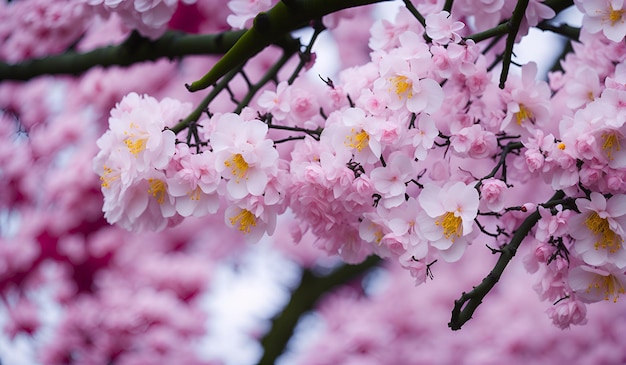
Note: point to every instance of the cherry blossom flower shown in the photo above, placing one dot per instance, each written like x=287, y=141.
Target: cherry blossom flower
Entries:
x=276, y=102
x=606, y=16
x=403, y=78
x=449, y=217
x=194, y=183
x=353, y=131
x=492, y=193
x=247, y=222
x=390, y=181
x=441, y=29
x=568, y=312
x=584, y=88
x=599, y=229
x=596, y=284
x=137, y=131
x=424, y=135
x=243, y=154
x=528, y=108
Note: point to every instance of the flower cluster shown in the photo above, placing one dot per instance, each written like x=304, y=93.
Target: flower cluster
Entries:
x=150, y=182
x=414, y=156
x=434, y=149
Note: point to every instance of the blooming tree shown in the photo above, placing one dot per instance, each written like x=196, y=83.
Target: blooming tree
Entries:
x=147, y=143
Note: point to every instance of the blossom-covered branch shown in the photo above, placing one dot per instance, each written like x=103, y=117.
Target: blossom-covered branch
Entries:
x=465, y=306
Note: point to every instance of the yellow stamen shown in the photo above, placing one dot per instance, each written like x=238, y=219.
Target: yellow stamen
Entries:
x=107, y=178
x=402, y=85
x=451, y=225
x=246, y=219
x=238, y=166
x=378, y=234
x=615, y=16
x=524, y=114
x=158, y=189
x=561, y=146
x=195, y=194
x=135, y=145
x=611, y=143
x=358, y=140
x=606, y=238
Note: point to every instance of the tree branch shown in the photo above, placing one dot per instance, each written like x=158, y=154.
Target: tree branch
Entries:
x=465, y=306
x=269, y=26
x=514, y=24
x=303, y=299
x=133, y=50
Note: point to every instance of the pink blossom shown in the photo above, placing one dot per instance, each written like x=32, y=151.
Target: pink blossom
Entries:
x=277, y=102
x=492, y=193
x=390, y=181
x=243, y=154
x=252, y=226
x=605, y=16
x=193, y=182
x=584, y=87
x=528, y=106
x=441, y=29
x=402, y=80
x=555, y=225
x=449, y=217
x=568, y=312
x=137, y=132
x=600, y=229
x=353, y=131
x=424, y=136
x=474, y=142
x=596, y=284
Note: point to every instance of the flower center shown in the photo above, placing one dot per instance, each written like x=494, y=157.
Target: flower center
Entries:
x=610, y=143
x=358, y=140
x=378, y=234
x=195, y=194
x=607, y=239
x=615, y=16
x=244, y=220
x=157, y=189
x=609, y=285
x=524, y=114
x=135, y=145
x=238, y=166
x=403, y=87
x=451, y=225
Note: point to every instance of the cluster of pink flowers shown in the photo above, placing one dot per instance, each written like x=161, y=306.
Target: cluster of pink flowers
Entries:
x=413, y=152
x=150, y=181
x=401, y=162
x=39, y=28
